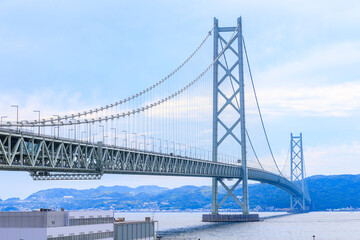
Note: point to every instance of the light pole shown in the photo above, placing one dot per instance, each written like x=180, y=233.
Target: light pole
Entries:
x=17, y=115
x=125, y=140
x=58, y=131
x=173, y=143
x=201, y=156
x=38, y=111
x=153, y=143
x=3, y=118
x=115, y=135
x=102, y=126
x=144, y=142
x=69, y=132
x=167, y=146
x=82, y=138
x=159, y=145
x=58, y=123
x=191, y=152
x=135, y=141
x=74, y=126
x=89, y=132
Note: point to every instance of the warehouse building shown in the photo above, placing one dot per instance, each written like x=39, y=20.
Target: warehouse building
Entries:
x=54, y=225
x=46, y=224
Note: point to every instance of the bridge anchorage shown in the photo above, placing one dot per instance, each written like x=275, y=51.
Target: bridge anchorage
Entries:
x=65, y=147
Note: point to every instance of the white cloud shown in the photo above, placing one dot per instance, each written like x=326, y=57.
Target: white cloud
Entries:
x=323, y=82
x=48, y=103
x=319, y=160
x=314, y=66
x=331, y=160
x=329, y=100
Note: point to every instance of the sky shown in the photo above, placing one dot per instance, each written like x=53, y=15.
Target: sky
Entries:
x=61, y=56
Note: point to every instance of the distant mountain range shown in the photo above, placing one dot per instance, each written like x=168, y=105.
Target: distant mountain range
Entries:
x=327, y=192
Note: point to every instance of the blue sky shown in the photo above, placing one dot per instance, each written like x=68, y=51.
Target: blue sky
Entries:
x=305, y=59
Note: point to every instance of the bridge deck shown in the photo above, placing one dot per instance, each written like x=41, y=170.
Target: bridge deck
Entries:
x=21, y=151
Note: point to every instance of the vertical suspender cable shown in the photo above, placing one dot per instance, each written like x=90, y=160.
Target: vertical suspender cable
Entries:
x=258, y=107
x=238, y=105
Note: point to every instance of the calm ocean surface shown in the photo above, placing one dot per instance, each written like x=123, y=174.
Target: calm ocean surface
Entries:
x=324, y=225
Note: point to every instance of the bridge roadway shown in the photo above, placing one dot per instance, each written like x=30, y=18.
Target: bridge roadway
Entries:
x=42, y=155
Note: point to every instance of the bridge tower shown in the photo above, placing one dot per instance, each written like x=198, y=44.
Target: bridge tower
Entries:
x=297, y=171
x=223, y=100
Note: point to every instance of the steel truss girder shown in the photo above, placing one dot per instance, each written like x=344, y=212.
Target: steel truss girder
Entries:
x=65, y=176
x=46, y=154
x=62, y=159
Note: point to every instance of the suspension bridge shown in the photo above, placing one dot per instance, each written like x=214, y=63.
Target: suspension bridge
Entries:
x=190, y=123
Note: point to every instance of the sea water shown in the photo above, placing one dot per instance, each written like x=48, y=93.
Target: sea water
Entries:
x=322, y=225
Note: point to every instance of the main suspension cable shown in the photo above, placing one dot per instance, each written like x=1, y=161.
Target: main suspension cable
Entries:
x=252, y=147
x=55, y=122
x=258, y=107
x=109, y=106
x=287, y=158
x=238, y=105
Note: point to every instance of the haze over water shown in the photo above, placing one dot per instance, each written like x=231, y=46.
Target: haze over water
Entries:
x=324, y=225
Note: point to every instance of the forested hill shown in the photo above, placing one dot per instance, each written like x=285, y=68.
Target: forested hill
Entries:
x=327, y=192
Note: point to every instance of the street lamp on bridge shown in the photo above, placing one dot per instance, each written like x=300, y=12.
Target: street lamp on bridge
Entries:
x=115, y=136
x=103, y=128
x=167, y=146
x=58, y=124
x=2, y=118
x=125, y=140
x=82, y=138
x=135, y=141
x=143, y=142
x=58, y=131
x=17, y=115
x=160, y=150
x=38, y=111
x=69, y=132
x=153, y=143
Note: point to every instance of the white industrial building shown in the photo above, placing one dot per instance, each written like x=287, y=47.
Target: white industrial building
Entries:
x=54, y=225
